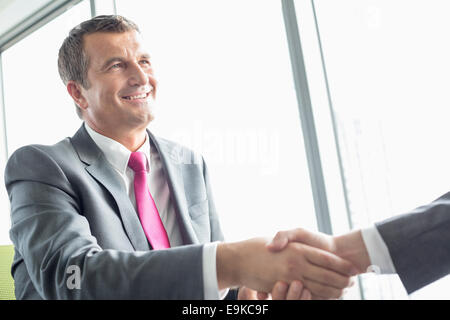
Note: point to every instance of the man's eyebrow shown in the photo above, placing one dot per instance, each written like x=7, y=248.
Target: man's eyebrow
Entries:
x=145, y=56
x=120, y=59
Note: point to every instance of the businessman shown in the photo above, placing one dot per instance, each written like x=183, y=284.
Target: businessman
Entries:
x=134, y=213
x=415, y=245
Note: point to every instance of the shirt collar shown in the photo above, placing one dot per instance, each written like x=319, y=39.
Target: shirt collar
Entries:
x=116, y=153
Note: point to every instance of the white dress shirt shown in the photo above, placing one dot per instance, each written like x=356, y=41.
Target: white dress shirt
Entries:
x=378, y=251
x=118, y=155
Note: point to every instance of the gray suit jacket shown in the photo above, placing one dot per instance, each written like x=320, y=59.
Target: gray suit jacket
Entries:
x=69, y=208
x=419, y=243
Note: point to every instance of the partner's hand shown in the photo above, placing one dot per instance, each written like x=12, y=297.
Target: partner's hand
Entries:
x=281, y=291
x=349, y=246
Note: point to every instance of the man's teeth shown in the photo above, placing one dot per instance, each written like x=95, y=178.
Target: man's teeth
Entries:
x=141, y=96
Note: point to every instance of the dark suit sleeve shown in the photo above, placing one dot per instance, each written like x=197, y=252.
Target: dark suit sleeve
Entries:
x=52, y=237
x=419, y=243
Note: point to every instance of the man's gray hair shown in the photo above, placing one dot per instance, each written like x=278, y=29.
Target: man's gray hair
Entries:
x=73, y=62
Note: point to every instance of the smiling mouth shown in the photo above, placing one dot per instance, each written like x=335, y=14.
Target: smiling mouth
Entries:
x=137, y=97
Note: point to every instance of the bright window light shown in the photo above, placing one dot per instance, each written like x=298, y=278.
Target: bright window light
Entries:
x=226, y=91
x=38, y=107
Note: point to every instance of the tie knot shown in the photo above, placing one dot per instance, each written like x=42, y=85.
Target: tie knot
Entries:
x=138, y=162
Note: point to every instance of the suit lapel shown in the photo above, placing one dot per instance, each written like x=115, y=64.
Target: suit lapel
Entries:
x=99, y=168
x=170, y=159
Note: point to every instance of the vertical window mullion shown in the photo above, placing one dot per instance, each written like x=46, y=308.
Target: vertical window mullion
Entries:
x=93, y=8
x=101, y=7
x=306, y=118
x=4, y=149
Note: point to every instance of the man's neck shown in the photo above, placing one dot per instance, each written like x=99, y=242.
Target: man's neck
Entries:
x=132, y=139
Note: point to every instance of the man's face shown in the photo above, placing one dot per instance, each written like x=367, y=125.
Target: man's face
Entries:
x=122, y=85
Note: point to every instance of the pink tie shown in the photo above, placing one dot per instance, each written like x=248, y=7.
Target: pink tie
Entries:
x=148, y=213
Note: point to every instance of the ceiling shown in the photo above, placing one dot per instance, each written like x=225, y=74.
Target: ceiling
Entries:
x=13, y=12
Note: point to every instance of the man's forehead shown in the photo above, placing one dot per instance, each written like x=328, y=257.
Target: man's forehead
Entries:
x=103, y=45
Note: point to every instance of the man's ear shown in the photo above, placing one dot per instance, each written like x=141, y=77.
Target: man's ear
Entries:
x=75, y=91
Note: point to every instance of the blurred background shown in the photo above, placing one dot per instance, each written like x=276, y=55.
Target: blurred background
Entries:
x=329, y=115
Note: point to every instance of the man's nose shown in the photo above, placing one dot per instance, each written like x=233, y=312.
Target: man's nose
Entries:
x=138, y=76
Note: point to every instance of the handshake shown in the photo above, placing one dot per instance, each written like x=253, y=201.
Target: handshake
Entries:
x=295, y=264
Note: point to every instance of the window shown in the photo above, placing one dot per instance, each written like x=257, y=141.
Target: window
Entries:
x=226, y=90
x=37, y=106
x=387, y=70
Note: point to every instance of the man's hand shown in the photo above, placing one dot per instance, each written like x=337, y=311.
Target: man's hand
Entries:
x=249, y=263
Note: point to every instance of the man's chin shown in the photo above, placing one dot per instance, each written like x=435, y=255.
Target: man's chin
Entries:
x=151, y=112
x=142, y=120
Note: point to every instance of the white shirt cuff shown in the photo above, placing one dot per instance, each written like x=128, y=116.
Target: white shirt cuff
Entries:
x=378, y=251
x=210, y=283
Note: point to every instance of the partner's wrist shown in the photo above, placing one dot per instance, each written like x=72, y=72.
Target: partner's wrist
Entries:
x=351, y=246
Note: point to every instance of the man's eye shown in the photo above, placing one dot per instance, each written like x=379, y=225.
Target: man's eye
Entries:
x=116, y=66
x=145, y=62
